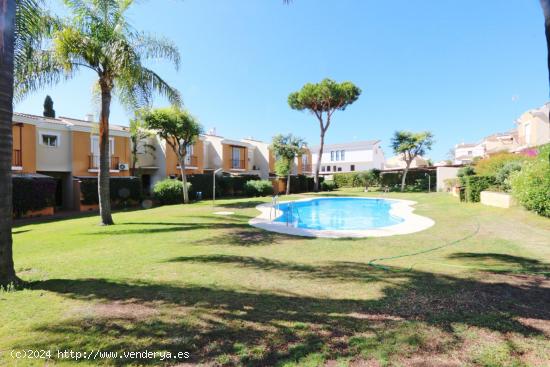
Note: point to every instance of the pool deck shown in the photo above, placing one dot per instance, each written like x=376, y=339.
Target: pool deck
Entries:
x=401, y=208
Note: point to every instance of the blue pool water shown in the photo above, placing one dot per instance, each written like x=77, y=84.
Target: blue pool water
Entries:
x=338, y=214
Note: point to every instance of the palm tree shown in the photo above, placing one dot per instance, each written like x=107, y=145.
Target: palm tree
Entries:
x=97, y=37
x=21, y=25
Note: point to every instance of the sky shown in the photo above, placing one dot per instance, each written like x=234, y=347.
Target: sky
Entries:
x=460, y=69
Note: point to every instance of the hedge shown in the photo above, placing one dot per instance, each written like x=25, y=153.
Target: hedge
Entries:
x=472, y=186
x=357, y=179
x=328, y=185
x=32, y=193
x=416, y=180
x=123, y=190
x=225, y=185
x=258, y=188
x=302, y=183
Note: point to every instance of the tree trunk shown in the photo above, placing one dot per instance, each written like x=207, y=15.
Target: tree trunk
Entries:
x=7, y=25
x=405, y=171
x=546, y=9
x=184, y=181
x=318, y=166
x=103, y=182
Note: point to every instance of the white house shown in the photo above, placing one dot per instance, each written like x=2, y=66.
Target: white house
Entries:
x=397, y=162
x=349, y=157
x=465, y=153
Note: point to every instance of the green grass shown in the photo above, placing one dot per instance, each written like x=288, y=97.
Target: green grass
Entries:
x=181, y=279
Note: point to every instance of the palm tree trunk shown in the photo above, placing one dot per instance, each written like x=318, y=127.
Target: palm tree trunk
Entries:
x=546, y=9
x=7, y=25
x=184, y=181
x=318, y=166
x=103, y=182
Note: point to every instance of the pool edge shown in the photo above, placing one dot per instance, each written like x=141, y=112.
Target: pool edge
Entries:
x=404, y=209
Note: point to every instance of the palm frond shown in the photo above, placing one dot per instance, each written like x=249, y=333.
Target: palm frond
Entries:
x=150, y=47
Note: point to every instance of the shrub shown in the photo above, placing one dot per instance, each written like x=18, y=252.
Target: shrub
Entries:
x=466, y=171
x=234, y=185
x=328, y=185
x=32, y=193
x=258, y=188
x=122, y=190
x=450, y=183
x=473, y=186
x=502, y=178
x=169, y=191
x=491, y=165
x=531, y=185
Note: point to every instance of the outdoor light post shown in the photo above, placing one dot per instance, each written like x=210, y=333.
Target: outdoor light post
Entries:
x=214, y=184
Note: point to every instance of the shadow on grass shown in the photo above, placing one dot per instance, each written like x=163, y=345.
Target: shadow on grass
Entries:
x=502, y=263
x=240, y=204
x=169, y=227
x=258, y=328
x=341, y=270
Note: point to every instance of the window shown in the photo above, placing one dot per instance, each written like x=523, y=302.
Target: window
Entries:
x=334, y=168
x=237, y=157
x=332, y=155
x=339, y=169
x=189, y=154
x=95, y=145
x=322, y=168
x=304, y=160
x=328, y=168
x=342, y=155
x=337, y=155
x=352, y=167
x=50, y=140
x=470, y=152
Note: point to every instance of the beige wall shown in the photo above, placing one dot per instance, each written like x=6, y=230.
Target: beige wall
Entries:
x=56, y=159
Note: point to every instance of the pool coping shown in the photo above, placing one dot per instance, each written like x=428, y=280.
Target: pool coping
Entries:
x=401, y=208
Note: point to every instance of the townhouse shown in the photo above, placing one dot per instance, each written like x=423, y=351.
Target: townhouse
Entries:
x=211, y=152
x=66, y=149
x=465, y=153
x=349, y=157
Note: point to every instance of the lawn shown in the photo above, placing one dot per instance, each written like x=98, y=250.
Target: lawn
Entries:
x=472, y=290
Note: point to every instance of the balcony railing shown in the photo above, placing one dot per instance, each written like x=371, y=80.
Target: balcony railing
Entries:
x=307, y=168
x=237, y=164
x=16, y=158
x=192, y=161
x=94, y=162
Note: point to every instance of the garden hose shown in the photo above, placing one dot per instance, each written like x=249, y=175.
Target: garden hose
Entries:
x=386, y=268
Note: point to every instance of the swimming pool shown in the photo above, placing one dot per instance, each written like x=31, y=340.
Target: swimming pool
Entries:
x=341, y=217
x=338, y=214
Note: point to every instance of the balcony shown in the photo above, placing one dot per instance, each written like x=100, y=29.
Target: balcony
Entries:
x=191, y=161
x=16, y=158
x=94, y=162
x=238, y=164
x=307, y=168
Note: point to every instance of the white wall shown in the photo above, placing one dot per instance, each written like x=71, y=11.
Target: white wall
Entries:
x=363, y=159
x=445, y=173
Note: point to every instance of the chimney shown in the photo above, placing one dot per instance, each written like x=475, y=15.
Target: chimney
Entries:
x=90, y=117
x=212, y=131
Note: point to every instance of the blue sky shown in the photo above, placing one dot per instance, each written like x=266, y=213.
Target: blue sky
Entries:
x=461, y=69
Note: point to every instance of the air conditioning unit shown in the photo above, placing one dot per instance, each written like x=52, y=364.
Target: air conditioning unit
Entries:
x=123, y=167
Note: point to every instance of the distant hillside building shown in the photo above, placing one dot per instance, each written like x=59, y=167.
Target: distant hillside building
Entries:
x=349, y=157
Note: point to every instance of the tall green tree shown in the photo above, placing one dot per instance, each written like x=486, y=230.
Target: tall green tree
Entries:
x=48, y=107
x=180, y=130
x=410, y=145
x=97, y=37
x=286, y=148
x=139, y=135
x=22, y=25
x=322, y=100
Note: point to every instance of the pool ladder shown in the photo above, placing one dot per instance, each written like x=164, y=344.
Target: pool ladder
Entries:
x=290, y=214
